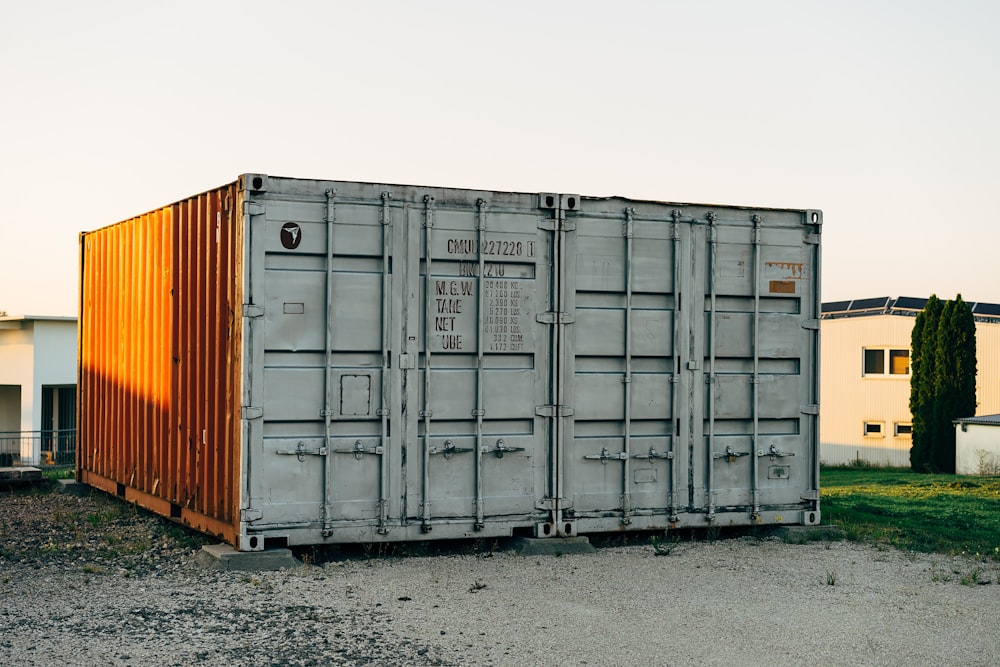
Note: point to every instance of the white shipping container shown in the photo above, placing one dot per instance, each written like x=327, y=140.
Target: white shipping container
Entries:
x=423, y=362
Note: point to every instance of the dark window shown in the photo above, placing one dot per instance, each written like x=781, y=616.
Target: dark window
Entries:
x=874, y=362
x=873, y=429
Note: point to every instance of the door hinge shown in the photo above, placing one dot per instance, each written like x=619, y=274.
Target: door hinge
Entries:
x=551, y=317
x=551, y=225
x=253, y=208
x=809, y=494
x=811, y=324
x=811, y=239
x=250, y=412
x=407, y=362
x=250, y=514
x=809, y=409
x=551, y=504
x=252, y=310
x=553, y=411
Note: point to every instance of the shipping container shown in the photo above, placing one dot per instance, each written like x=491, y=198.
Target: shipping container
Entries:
x=285, y=361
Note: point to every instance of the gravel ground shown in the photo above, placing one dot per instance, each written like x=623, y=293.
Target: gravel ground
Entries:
x=91, y=581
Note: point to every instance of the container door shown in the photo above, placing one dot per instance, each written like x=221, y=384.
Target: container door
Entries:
x=760, y=328
x=322, y=276
x=690, y=366
x=480, y=441
x=625, y=365
x=402, y=362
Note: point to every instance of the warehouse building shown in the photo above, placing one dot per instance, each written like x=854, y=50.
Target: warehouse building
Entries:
x=865, y=377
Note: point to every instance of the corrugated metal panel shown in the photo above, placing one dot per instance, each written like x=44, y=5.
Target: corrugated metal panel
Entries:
x=159, y=362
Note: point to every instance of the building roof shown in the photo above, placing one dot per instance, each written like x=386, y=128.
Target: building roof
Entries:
x=15, y=322
x=907, y=306
x=988, y=420
x=33, y=318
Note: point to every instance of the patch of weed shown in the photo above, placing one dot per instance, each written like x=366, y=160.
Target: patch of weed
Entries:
x=913, y=511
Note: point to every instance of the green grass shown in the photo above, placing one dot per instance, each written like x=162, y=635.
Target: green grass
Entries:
x=59, y=472
x=912, y=511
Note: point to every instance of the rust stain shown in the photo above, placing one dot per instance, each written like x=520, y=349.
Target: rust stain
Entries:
x=795, y=270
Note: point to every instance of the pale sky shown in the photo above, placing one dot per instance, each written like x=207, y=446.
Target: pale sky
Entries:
x=885, y=115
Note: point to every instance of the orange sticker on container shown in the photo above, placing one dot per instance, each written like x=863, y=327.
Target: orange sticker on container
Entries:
x=782, y=287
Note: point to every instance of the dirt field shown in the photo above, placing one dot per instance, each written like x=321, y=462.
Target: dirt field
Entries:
x=90, y=581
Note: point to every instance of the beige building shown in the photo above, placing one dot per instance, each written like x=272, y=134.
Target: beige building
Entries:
x=865, y=377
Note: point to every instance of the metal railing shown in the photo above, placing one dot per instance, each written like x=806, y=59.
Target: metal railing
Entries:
x=38, y=448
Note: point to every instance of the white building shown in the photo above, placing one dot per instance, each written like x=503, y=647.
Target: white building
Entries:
x=37, y=388
x=977, y=445
x=865, y=377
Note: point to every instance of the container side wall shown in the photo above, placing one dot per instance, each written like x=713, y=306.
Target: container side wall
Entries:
x=159, y=363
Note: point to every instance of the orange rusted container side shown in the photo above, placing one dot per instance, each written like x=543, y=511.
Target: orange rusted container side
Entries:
x=159, y=362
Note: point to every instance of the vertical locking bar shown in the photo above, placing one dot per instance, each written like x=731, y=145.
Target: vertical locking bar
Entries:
x=328, y=374
x=480, y=337
x=713, y=244
x=755, y=493
x=628, y=232
x=675, y=458
x=428, y=334
x=816, y=218
x=559, y=352
x=383, y=502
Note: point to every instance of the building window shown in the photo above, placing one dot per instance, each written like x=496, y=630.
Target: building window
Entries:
x=899, y=362
x=873, y=429
x=904, y=429
x=875, y=361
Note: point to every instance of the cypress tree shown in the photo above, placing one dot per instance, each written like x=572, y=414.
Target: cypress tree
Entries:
x=922, y=376
x=942, y=381
x=943, y=400
x=955, y=383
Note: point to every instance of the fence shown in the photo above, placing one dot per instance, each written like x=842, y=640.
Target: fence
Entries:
x=38, y=448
